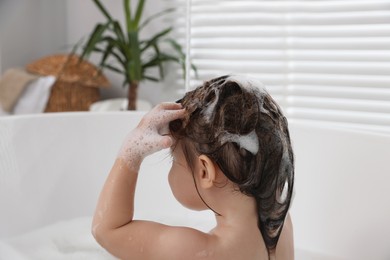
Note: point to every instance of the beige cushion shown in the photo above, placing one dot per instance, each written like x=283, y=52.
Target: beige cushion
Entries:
x=12, y=85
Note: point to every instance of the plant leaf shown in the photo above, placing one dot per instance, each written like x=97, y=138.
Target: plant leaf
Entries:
x=118, y=31
x=115, y=69
x=122, y=47
x=151, y=78
x=76, y=46
x=176, y=46
x=113, y=41
x=127, y=8
x=106, y=52
x=94, y=39
x=152, y=17
x=138, y=14
x=182, y=56
x=195, y=69
x=156, y=38
x=162, y=57
x=135, y=65
x=125, y=81
x=103, y=9
x=73, y=52
x=113, y=53
x=160, y=66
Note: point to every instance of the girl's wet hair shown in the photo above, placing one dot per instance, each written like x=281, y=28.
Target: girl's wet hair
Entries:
x=237, y=124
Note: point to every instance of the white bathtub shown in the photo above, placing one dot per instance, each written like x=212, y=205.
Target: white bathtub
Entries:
x=52, y=168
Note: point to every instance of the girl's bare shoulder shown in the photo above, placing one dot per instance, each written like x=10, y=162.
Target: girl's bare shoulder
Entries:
x=188, y=243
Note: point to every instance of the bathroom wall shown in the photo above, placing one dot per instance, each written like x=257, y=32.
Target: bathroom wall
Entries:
x=30, y=29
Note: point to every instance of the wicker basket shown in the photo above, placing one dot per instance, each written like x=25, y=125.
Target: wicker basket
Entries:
x=77, y=85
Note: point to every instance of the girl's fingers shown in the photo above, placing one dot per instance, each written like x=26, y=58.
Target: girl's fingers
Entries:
x=162, y=113
x=170, y=115
x=170, y=106
x=159, y=118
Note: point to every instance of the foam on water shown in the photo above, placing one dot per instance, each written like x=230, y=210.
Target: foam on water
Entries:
x=8, y=252
x=70, y=239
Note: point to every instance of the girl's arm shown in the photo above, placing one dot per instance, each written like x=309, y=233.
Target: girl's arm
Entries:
x=115, y=206
x=113, y=225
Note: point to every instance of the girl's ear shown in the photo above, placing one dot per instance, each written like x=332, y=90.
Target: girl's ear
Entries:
x=206, y=172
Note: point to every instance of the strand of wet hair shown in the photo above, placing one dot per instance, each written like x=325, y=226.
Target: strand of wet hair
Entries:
x=207, y=205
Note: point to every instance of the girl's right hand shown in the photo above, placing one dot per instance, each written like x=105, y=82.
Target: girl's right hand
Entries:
x=151, y=135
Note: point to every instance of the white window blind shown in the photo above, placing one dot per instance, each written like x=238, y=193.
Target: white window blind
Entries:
x=321, y=60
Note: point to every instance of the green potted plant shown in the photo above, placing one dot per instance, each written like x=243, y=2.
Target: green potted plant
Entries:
x=133, y=57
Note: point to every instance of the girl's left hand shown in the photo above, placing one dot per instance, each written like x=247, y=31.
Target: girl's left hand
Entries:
x=151, y=134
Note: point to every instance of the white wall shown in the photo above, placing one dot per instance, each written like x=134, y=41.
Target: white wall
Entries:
x=83, y=16
x=29, y=30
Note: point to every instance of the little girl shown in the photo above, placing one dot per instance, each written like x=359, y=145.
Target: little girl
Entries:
x=231, y=154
